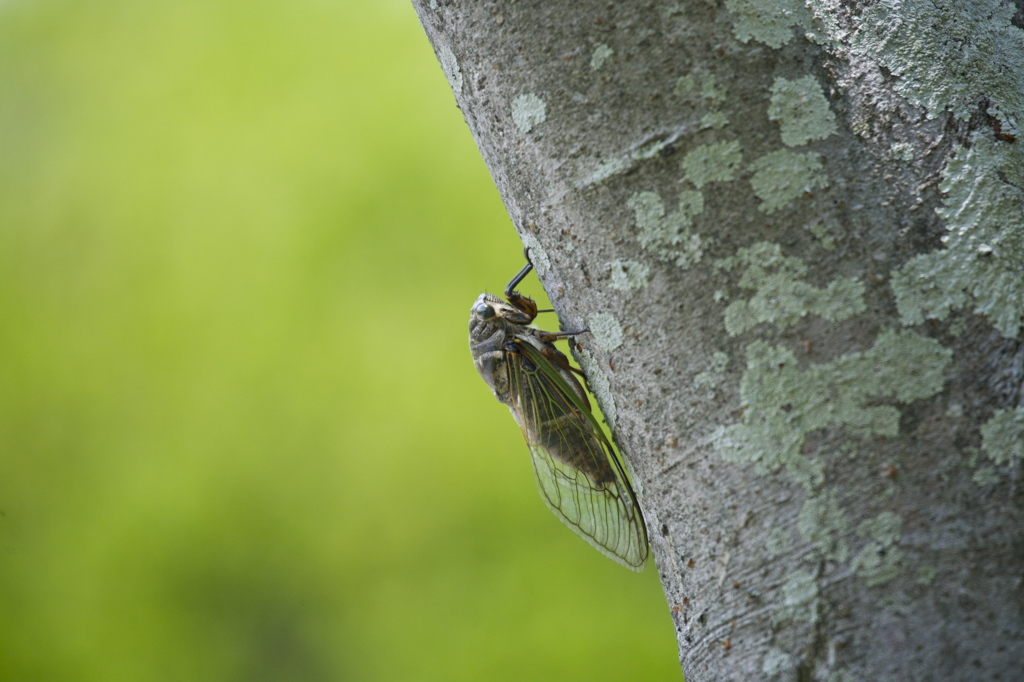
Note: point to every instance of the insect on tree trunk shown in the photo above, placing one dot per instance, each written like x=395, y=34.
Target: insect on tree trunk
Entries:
x=796, y=234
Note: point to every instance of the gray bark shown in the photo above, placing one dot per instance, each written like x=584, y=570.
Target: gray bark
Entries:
x=796, y=234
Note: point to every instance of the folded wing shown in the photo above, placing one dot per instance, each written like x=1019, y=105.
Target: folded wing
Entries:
x=578, y=471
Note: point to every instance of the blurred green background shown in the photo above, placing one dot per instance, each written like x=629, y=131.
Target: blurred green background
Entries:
x=241, y=436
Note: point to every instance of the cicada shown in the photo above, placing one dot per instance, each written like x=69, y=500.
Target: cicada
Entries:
x=579, y=473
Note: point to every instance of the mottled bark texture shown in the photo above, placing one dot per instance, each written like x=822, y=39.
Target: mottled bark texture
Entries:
x=796, y=233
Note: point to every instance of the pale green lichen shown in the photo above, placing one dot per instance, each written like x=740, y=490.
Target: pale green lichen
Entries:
x=983, y=258
x=822, y=523
x=877, y=564
x=684, y=86
x=715, y=119
x=707, y=92
x=821, y=233
x=538, y=256
x=885, y=528
x=712, y=91
x=1002, y=436
x=608, y=168
x=668, y=235
x=802, y=111
x=628, y=274
x=707, y=95
x=776, y=543
x=948, y=55
x=712, y=163
x=826, y=27
x=781, y=298
x=904, y=151
x=528, y=111
x=767, y=21
x=781, y=176
x=985, y=476
x=606, y=330
x=599, y=385
x=879, y=561
x=719, y=361
x=703, y=93
x=800, y=599
x=705, y=381
x=450, y=66
x=777, y=662
x=957, y=327
x=783, y=403
x=601, y=54
x=713, y=377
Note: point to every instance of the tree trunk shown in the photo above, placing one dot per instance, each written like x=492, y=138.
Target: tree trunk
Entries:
x=796, y=234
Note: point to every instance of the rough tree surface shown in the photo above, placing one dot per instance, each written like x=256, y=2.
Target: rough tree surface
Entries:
x=796, y=232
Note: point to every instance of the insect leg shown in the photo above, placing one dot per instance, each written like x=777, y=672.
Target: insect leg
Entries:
x=520, y=276
x=554, y=336
x=523, y=303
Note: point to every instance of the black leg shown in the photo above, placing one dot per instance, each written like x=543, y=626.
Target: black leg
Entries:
x=521, y=275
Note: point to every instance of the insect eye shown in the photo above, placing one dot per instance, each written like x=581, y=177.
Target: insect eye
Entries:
x=485, y=311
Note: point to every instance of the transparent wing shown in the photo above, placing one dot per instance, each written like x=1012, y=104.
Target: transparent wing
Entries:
x=578, y=472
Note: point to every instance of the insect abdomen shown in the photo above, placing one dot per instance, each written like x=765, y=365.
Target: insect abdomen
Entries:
x=575, y=448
